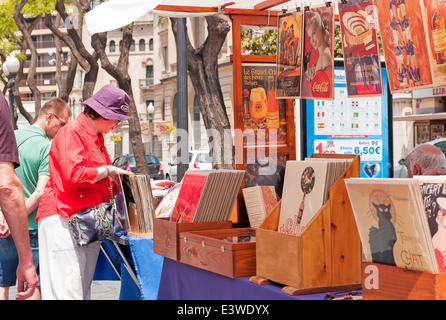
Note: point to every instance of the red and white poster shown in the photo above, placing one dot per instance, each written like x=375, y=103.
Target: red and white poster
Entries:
x=404, y=44
x=289, y=55
x=318, y=61
x=434, y=12
x=360, y=45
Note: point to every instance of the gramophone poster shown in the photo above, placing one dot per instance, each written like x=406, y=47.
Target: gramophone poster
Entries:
x=289, y=55
x=404, y=43
x=302, y=195
x=360, y=47
x=318, y=54
x=264, y=116
x=434, y=12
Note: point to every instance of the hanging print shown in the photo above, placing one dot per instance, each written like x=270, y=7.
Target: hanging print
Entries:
x=289, y=55
x=404, y=43
x=318, y=61
x=434, y=24
x=360, y=46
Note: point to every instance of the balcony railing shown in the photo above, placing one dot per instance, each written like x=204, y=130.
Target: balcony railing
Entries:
x=39, y=82
x=147, y=82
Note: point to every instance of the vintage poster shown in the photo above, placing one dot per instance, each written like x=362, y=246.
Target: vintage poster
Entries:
x=318, y=54
x=264, y=116
x=289, y=55
x=188, y=197
x=404, y=44
x=360, y=46
x=265, y=171
x=391, y=222
x=434, y=12
x=433, y=191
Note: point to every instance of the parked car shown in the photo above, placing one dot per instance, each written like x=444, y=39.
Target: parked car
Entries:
x=198, y=160
x=128, y=162
x=400, y=171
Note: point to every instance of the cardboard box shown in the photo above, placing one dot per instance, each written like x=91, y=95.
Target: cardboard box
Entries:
x=228, y=252
x=166, y=234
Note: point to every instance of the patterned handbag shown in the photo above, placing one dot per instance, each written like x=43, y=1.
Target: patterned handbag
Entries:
x=94, y=224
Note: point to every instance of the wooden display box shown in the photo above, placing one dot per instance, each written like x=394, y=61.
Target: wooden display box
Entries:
x=166, y=234
x=326, y=256
x=228, y=252
x=383, y=282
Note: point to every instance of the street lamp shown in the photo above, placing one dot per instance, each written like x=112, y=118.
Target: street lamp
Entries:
x=150, y=111
x=10, y=68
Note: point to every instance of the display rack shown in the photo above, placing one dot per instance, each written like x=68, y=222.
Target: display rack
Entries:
x=326, y=256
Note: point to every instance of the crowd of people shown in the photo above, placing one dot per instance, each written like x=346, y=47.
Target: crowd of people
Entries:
x=44, y=182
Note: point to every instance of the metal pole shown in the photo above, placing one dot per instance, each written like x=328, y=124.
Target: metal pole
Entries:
x=11, y=84
x=182, y=138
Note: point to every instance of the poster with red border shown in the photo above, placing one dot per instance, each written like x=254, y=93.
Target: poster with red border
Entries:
x=434, y=13
x=404, y=43
x=190, y=194
x=360, y=46
x=318, y=53
x=289, y=55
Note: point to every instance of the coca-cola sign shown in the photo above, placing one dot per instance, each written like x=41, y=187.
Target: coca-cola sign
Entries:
x=320, y=86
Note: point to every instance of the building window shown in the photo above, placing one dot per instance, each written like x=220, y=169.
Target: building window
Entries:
x=142, y=45
x=112, y=46
x=149, y=71
x=151, y=44
x=132, y=46
x=166, y=58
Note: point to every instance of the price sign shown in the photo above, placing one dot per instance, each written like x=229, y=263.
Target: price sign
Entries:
x=369, y=150
x=346, y=125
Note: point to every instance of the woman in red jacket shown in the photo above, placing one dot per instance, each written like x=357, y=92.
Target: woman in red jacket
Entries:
x=81, y=177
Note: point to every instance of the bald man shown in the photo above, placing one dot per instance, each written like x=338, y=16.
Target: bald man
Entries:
x=427, y=160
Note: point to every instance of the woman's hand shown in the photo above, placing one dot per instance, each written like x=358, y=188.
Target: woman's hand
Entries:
x=111, y=171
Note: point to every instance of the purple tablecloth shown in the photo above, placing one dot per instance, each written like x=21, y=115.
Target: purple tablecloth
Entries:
x=183, y=282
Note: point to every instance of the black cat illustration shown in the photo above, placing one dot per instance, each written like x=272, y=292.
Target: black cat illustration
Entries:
x=383, y=238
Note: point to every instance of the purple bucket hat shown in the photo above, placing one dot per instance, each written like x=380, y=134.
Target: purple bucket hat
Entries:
x=111, y=103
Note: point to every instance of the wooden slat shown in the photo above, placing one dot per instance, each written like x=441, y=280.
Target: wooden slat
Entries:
x=269, y=4
x=185, y=8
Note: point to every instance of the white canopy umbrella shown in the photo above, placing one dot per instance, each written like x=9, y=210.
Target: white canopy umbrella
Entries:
x=115, y=14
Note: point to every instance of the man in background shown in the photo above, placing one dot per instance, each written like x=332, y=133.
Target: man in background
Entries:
x=13, y=207
x=426, y=160
x=34, y=145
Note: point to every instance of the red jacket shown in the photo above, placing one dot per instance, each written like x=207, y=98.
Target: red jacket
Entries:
x=76, y=153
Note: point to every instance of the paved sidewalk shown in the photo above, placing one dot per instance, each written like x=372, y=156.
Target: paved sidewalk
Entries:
x=100, y=290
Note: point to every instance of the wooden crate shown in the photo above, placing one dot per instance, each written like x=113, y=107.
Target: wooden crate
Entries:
x=383, y=282
x=215, y=251
x=326, y=256
x=166, y=234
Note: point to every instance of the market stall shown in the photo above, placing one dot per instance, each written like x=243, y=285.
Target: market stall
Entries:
x=310, y=241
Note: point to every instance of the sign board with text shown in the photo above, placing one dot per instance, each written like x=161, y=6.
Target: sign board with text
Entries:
x=351, y=126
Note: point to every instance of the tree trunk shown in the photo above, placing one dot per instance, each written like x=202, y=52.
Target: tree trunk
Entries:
x=120, y=72
x=203, y=71
x=26, y=30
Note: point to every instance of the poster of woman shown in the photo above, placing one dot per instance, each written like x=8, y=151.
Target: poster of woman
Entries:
x=361, y=50
x=289, y=55
x=318, y=62
x=404, y=44
x=434, y=12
